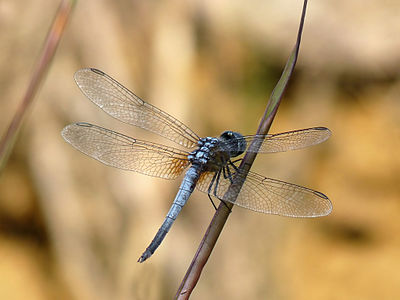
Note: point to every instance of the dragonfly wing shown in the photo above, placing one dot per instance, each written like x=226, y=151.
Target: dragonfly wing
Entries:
x=122, y=104
x=266, y=195
x=291, y=140
x=123, y=152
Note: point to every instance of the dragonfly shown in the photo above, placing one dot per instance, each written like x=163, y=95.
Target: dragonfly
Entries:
x=209, y=162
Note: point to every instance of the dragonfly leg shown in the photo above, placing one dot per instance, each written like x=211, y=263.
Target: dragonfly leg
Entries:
x=232, y=164
x=216, y=186
x=210, y=188
x=218, y=175
x=212, y=202
x=228, y=174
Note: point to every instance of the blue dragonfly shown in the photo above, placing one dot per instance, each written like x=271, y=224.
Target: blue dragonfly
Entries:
x=208, y=160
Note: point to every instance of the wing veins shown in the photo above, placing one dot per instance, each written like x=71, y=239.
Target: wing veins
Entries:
x=124, y=105
x=120, y=151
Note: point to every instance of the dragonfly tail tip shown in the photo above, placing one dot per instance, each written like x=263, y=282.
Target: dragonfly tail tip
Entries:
x=146, y=254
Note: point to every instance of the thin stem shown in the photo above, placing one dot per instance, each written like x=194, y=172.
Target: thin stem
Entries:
x=49, y=47
x=221, y=215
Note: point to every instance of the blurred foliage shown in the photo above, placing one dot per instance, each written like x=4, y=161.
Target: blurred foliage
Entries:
x=71, y=228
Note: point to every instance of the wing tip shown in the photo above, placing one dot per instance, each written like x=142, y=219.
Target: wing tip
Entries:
x=85, y=70
x=97, y=71
x=327, y=131
x=66, y=131
x=328, y=206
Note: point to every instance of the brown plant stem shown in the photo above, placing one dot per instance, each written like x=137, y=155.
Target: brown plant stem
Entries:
x=221, y=215
x=42, y=65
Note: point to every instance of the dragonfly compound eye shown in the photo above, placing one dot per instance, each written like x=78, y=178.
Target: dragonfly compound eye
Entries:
x=234, y=141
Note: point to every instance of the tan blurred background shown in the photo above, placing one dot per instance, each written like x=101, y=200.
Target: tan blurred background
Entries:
x=72, y=228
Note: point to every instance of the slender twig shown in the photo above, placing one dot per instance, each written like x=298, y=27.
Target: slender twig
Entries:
x=49, y=47
x=221, y=215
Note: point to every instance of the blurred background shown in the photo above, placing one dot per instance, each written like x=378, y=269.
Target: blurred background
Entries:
x=72, y=228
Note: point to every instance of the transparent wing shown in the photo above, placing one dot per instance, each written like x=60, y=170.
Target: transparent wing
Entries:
x=281, y=142
x=122, y=104
x=267, y=195
x=120, y=151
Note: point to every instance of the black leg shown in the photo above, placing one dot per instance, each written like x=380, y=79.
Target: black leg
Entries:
x=228, y=171
x=232, y=164
x=210, y=188
x=224, y=173
x=212, y=202
x=212, y=183
x=216, y=183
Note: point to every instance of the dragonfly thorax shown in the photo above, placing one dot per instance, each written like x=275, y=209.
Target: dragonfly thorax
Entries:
x=205, y=153
x=214, y=153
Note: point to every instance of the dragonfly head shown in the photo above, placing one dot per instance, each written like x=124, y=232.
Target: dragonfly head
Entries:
x=233, y=142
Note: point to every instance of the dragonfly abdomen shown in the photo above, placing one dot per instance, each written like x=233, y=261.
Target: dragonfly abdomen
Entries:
x=185, y=190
